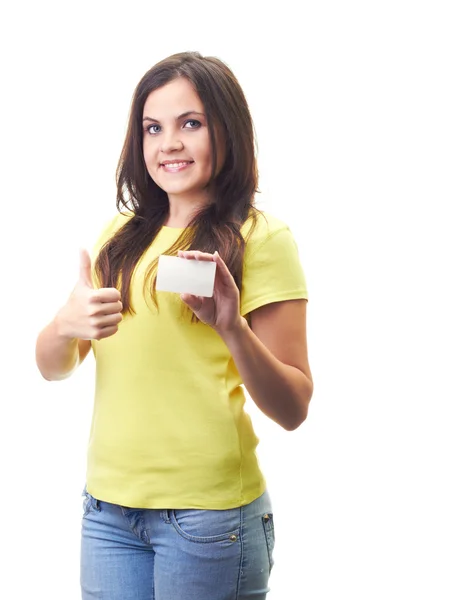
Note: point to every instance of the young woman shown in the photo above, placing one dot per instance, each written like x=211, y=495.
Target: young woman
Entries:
x=176, y=505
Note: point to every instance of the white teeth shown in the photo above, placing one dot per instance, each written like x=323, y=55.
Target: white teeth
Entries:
x=175, y=165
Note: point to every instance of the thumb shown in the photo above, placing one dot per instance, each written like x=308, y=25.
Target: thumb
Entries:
x=194, y=302
x=85, y=268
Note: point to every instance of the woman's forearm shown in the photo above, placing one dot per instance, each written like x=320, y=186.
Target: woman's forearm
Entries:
x=56, y=355
x=281, y=391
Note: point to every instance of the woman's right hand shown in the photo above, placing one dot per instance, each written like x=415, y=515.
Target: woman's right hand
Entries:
x=90, y=314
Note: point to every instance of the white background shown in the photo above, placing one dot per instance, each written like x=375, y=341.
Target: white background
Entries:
x=357, y=107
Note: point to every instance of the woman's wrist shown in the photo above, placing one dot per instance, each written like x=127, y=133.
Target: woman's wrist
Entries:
x=233, y=334
x=61, y=327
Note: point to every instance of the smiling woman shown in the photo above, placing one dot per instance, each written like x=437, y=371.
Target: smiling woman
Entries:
x=176, y=504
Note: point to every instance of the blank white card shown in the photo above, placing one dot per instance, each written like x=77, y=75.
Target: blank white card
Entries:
x=186, y=276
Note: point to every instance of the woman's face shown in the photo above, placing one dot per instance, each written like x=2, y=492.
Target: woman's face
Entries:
x=176, y=142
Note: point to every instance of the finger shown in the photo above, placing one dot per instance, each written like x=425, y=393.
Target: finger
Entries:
x=225, y=275
x=106, y=332
x=107, y=295
x=107, y=308
x=85, y=268
x=194, y=302
x=102, y=321
x=195, y=254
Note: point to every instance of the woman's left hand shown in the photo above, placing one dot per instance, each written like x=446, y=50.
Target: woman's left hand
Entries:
x=221, y=311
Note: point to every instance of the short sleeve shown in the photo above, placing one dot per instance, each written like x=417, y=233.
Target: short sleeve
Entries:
x=272, y=272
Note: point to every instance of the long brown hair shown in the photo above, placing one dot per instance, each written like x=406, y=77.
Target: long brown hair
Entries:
x=215, y=227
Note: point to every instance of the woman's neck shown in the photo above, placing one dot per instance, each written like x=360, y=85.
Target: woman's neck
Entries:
x=180, y=213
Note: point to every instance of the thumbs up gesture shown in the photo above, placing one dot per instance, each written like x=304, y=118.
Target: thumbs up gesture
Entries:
x=89, y=313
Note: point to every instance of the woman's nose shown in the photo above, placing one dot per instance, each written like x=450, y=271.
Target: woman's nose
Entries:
x=171, y=143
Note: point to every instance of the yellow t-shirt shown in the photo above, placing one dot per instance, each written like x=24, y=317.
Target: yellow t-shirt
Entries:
x=169, y=429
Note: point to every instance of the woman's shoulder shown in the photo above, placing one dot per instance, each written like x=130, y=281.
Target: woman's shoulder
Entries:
x=110, y=227
x=116, y=222
x=261, y=228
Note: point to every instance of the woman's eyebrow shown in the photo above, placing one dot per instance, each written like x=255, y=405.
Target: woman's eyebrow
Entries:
x=182, y=116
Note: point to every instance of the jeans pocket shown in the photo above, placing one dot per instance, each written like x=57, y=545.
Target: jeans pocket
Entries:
x=198, y=525
x=268, y=527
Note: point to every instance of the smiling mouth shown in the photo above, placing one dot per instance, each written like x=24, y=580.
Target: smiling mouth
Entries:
x=176, y=165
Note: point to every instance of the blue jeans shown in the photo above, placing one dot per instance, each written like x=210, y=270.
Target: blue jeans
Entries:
x=186, y=554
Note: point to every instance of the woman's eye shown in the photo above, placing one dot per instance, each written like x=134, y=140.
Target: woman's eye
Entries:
x=153, y=129
x=195, y=124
